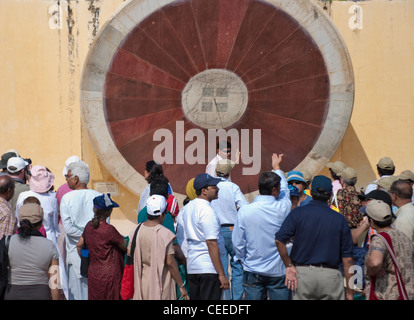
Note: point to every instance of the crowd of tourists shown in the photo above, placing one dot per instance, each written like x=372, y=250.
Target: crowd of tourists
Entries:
x=301, y=238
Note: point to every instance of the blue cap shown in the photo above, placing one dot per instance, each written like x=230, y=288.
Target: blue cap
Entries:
x=321, y=184
x=104, y=202
x=203, y=180
x=295, y=176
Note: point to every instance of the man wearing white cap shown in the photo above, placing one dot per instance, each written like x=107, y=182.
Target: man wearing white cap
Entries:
x=154, y=261
x=17, y=169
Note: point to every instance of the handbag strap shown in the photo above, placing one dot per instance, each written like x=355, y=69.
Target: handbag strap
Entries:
x=388, y=243
x=134, y=240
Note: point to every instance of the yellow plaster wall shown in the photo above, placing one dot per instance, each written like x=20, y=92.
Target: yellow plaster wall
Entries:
x=41, y=65
x=382, y=54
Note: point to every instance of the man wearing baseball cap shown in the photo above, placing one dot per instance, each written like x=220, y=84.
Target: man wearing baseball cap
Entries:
x=297, y=179
x=382, y=283
x=17, y=169
x=230, y=199
x=205, y=272
x=322, y=242
x=385, y=168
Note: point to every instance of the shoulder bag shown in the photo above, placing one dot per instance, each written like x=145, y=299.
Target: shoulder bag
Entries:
x=401, y=288
x=127, y=284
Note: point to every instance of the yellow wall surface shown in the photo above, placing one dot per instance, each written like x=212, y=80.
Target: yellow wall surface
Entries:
x=44, y=43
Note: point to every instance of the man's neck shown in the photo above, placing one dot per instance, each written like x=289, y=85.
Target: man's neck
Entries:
x=81, y=186
x=203, y=198
x=402, y=202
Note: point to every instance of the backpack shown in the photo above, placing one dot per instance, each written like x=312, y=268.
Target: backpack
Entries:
x=4, y=264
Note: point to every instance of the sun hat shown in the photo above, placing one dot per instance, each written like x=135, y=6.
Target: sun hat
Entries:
x=41, y=180
x=32, y=212
x=295, y=176
x=104, y=201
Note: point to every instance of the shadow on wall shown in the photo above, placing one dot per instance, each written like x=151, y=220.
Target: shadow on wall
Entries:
x=353, y=155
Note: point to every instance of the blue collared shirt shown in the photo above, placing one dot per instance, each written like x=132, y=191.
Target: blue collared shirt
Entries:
x=230, y=198
x=255, y=228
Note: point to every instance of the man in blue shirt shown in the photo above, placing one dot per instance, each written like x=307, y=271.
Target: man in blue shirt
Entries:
x=253, y=237
x=322, y=241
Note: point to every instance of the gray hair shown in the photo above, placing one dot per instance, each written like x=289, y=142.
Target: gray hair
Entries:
x=80, y=170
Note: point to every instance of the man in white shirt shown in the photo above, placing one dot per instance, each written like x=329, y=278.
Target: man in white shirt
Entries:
x=76, y=210
x=223, y=152
x=385, y=168
x=230, y=199
x=205, y=273
x=401, y=193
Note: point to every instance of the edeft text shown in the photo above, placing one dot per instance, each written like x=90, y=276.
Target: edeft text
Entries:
x=212, y=309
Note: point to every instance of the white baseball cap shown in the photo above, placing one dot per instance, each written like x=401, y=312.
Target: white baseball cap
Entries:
x=156, y=205
x=15, y=164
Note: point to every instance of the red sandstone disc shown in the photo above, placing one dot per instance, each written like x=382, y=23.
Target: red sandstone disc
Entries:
x=175, y=63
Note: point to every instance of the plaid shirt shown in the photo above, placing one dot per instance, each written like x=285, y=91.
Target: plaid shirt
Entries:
x=8, y=222
x=349, y=205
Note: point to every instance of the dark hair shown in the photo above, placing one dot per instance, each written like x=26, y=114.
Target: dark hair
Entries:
x=159, y=186
x=149, y=165
x=26, y=228
x=402, y=189
x=6, y=185
x=267, y=181
x=156, y=171
x=225, y=144
x=334, y=175
x=385, y=172
x=382, y=224
x=32, y=199
x=100, y=215
x=321, y=195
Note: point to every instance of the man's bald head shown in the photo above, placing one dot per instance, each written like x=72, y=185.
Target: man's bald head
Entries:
x=402, y=189
x=6, y=187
